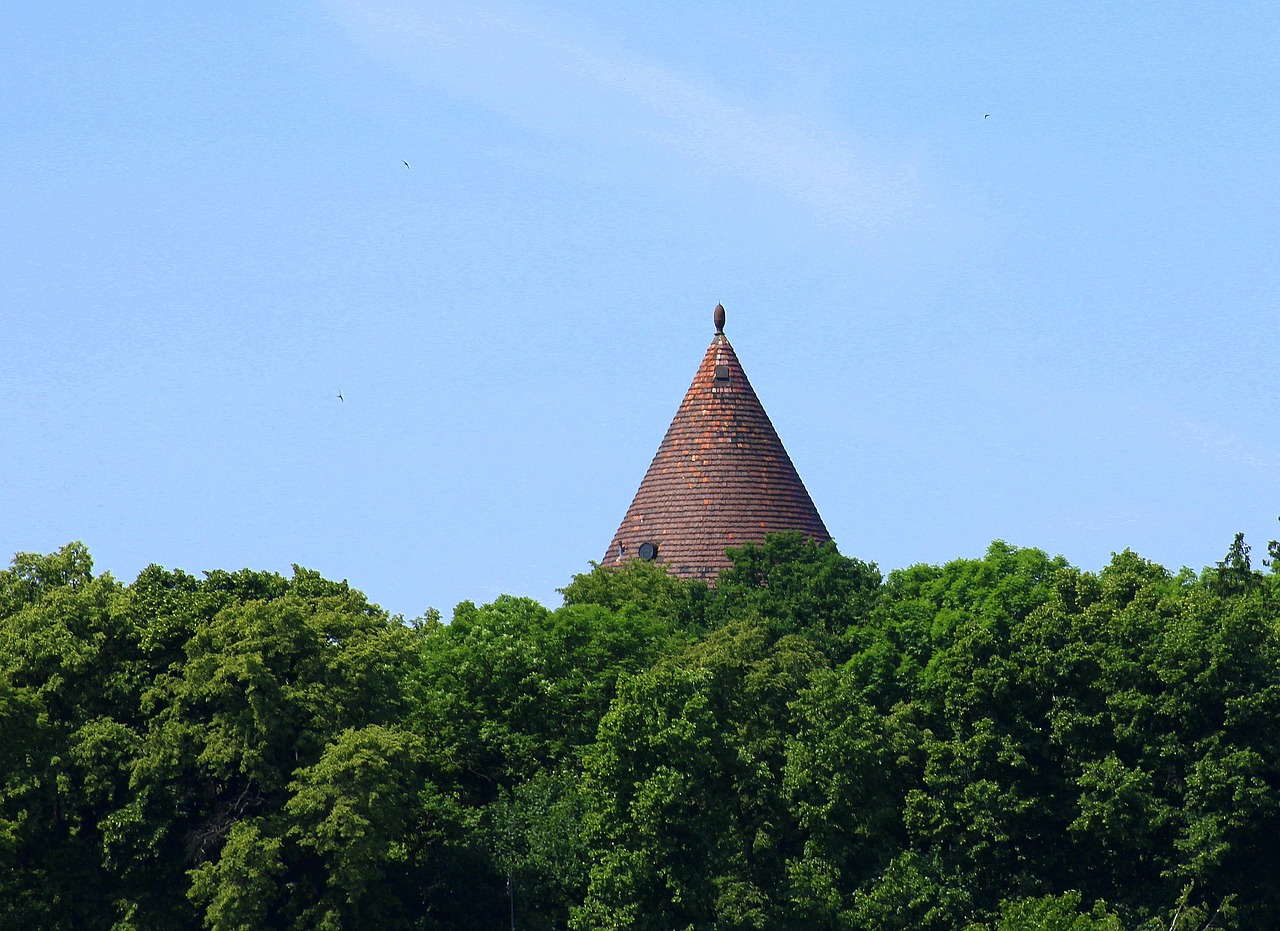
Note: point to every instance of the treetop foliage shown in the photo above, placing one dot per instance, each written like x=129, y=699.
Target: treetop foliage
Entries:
x=997, y=743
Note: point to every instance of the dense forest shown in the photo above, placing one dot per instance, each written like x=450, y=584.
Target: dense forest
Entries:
x=993, y=744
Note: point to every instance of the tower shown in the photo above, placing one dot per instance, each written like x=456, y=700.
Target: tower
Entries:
x=720, y=478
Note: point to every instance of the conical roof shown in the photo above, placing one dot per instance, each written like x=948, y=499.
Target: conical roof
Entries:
x=721, y=478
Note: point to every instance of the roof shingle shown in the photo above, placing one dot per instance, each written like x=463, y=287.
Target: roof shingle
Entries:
x=720, y=478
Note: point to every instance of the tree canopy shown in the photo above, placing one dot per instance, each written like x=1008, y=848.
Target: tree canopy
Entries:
x=997, y=743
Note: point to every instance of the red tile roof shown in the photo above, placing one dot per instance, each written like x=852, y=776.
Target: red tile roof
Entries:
x=721, y=477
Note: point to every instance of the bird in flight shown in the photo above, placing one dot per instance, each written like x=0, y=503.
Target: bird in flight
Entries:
x=340, y=397
x=403, y=162
x=985, y=115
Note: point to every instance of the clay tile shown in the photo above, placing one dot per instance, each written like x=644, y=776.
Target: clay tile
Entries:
x=720, y=473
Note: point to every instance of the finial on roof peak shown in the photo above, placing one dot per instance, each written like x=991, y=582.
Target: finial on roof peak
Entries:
x=719, y=318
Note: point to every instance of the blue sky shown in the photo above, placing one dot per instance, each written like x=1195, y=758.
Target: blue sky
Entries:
x=996, y=270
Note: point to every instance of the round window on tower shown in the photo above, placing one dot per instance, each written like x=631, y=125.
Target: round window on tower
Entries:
x=648, y=551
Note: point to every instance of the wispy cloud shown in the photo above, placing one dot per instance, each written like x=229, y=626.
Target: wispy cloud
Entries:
x=516, y=65
x=1223, y=446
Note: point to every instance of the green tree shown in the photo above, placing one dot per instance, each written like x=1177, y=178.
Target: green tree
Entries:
x=67, y=658
x=1053, y=913
x=687, y=821
x=847, y=768
x=511, y=688
x=645, y=587
x=796, y=584
x=505, y=697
